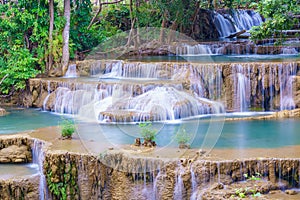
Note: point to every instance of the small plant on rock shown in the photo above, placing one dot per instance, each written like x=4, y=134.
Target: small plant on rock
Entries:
x=67, y=128
x=241, y=192
x=182, y=137
x=148, y=133
x=257, y=177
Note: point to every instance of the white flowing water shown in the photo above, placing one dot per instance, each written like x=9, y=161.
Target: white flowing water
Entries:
x=245, y=19
x=179, y=186
x=224, y=26
x=71, y=72
x=197, y=49
x=188, y=90
x=242, y=87
x=289, y=51
x=286, y=79
x=38, y=157
x=240, y=20
x=194, y=185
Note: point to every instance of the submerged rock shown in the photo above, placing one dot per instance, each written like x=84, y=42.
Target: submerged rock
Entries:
x=291, y=192
x=137, y=142
x=3, y=112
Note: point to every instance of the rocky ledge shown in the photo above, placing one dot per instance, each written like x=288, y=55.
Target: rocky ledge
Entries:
x=115, y=174
x=26, y=188
x=15, y=149
x=3, y=112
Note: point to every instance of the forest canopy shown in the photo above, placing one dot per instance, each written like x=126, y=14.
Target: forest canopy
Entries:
x=35, y=35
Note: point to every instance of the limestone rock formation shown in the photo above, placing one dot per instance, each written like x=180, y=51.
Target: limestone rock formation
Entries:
x=116, y=175
x=15, y=154
x=241, y=86
x=20, y=188
x=3, y=112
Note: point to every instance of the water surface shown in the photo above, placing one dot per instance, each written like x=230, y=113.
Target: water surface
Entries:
x=234, y=134
x=20, y=119
x=219, y=58
x=9, y=171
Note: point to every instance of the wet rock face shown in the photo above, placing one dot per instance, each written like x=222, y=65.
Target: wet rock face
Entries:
x=117, y=176
x=240, y=86
x=3, y=112
x=15, y=150
x=15, y=154
x=21, y=188
x=203, y=27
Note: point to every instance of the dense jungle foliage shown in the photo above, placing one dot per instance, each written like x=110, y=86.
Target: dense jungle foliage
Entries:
x=24, y=28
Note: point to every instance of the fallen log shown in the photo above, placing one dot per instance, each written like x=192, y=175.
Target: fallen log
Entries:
x=236, y=34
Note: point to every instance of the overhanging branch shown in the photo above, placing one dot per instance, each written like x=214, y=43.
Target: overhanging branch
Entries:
x=100, y=9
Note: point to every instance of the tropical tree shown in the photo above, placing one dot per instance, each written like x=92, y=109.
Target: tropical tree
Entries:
x=66, y=36
x=280, y=15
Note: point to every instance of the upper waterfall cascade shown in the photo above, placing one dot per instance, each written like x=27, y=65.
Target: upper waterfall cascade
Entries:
x=237, y=21
x=137, y=91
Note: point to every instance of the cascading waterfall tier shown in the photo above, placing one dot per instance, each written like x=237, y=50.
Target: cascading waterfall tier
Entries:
x=71, y=72
x=126, y=176
x=38, y=156
x=235, y=48
x=135, y=91
x=153, y=178
x=237, y=21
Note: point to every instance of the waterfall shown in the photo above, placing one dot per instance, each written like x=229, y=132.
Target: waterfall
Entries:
x=289, y=51
x=70, y=99
x=136, y=70
x=194, y=185
x=179, y=186
x=241, y=87
x=71, y=72
x=263, y=74
x=187, y=90
x=47, y=97
x=286, y=78
x=223, y=25
x=38, y=157
x=95, y=67
x=115, y=70
x=240, y=20
x=198, y=49
x=154, y=193
x=245, y=19
x=158, y=104
x=272, y=71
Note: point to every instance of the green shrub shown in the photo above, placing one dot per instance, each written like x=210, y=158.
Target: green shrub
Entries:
x=67, y=128
x=147, y=131
x=182, y=137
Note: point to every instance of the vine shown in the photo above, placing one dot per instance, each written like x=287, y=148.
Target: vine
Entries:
x=66, y=185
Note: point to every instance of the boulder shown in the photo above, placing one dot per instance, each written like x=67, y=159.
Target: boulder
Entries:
x=2, y=112
x=15, y=154
x=291, y=192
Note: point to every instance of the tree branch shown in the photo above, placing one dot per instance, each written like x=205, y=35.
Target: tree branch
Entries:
x=3, y=78
x=100, y=9
x=113, y=2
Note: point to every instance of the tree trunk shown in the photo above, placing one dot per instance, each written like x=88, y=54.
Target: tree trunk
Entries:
x=173, y=28
x=66, y=35
x=51, y=25
x=162, y=30
x=138, y=41
x=132, y=20
x=215, y=4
